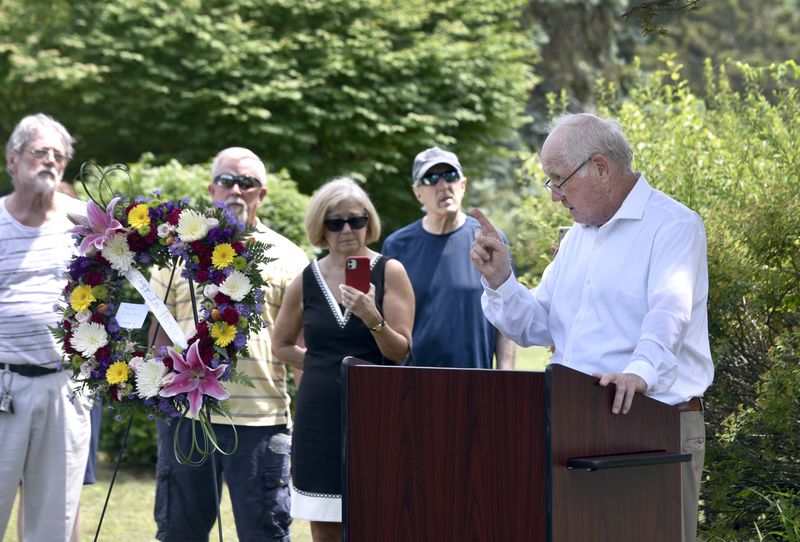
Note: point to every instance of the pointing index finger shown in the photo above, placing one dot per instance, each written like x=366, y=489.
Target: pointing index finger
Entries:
x=486, y=226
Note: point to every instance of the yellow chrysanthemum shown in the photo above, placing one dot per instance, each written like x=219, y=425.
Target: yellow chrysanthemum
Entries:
x=222, y=256
x=222, y=333
x=81, y=298
x=138, y=217
x=118, y=373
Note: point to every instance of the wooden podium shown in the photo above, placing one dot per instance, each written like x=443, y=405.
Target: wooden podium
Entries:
x=435, y=454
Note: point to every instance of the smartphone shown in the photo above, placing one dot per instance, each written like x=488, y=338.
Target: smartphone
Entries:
x=357, y=272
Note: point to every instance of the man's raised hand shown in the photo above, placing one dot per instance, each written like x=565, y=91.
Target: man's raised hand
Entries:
x=489, y=254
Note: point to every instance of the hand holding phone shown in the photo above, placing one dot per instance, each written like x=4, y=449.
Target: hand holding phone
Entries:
x=357, y=272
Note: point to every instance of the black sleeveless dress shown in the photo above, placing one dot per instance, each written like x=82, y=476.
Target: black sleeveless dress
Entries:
x=330, y=334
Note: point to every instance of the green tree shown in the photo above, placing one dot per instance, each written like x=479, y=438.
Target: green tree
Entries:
x=580, y=42
x=320, y=88
x=751, y=31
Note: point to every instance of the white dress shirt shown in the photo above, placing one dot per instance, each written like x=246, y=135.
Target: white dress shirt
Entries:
x=626, y=297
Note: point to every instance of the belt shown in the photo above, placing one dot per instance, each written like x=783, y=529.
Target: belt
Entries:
x=692, y=405
x=27, y=369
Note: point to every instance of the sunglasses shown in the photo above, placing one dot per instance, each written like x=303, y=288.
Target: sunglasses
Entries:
x=245, y=182
x=431, y=179
x=337, y=224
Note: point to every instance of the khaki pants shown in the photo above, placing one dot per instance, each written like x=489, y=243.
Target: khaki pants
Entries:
x=44, y=443
x=693, y=440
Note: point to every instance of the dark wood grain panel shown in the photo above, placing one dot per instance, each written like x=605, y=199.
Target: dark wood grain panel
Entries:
x=470, y=455
x=626, y=504
x=444, y=454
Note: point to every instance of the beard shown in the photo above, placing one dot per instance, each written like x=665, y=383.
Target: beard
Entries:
x=45, y=181
x=239, y=208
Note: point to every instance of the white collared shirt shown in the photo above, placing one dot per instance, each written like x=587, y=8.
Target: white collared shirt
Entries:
x=628, y=296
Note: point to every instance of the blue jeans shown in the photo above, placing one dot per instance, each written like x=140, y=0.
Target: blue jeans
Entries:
x=257, y=475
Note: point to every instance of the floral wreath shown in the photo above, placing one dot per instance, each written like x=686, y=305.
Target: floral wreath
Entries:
x=216, y=253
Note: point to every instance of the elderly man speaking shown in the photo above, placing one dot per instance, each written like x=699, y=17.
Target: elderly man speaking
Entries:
x=625, y=297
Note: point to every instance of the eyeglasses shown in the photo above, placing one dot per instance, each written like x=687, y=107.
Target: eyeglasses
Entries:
x=245, y=182
x=337, y=224
x=431, y=179
x=39, y=154
x=557, y=187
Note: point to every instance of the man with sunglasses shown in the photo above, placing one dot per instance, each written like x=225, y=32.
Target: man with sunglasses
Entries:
x=450, y=329
x=625, y=297
x=257, y=474
x=44, y=424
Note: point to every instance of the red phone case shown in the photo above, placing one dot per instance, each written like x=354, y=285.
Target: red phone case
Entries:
x=357, y=273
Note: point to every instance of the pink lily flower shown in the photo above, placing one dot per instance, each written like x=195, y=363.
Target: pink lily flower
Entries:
x=100, y=226
x=194, y=378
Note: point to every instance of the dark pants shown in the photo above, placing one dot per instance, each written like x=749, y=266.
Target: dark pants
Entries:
x=257, y=475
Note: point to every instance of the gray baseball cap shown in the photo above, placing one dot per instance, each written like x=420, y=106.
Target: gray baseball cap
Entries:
x=431, y=157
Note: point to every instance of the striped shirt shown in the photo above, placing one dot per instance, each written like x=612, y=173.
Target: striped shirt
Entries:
x=33, y=263
x=268, y=402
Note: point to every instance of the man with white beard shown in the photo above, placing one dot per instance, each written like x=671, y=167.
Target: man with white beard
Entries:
x=44, y=426
x=258, y=473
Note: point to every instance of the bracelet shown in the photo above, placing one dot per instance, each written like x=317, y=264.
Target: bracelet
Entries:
x=379, y=326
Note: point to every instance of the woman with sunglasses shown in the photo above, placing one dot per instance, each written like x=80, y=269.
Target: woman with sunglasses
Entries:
x=336, y=321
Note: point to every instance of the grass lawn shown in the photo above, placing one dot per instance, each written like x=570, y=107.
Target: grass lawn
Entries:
x=532, y=359
x=129, y=516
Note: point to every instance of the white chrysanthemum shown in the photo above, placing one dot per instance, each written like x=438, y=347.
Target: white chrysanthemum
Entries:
x=210, y=290
x=83, y=316
x=150, y=378
x=165, y=229
x=88, y=337
x=118, y=254
x=191, y=226
x=236, y=286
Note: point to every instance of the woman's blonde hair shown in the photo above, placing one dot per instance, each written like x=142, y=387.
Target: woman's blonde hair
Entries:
x=330, y=195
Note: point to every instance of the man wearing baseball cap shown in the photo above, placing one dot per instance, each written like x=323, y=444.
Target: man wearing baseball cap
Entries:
x=450, y=329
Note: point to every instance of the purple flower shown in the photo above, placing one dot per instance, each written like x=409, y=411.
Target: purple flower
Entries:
x=79, y=266
x=239, y=341
x=112, y=325
x=243, y=310
x=166, y=406
x=216, y=236
x=194, y=378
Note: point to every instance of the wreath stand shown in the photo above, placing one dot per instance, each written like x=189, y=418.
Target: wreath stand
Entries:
x=206, y=454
